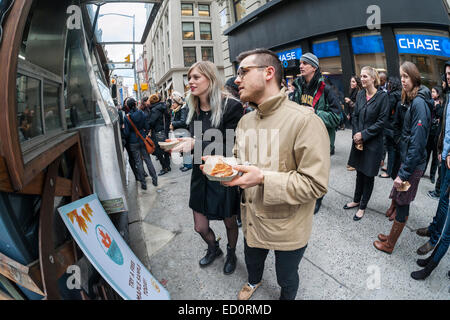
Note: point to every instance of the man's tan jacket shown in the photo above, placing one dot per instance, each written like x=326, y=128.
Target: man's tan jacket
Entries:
x=291, y=145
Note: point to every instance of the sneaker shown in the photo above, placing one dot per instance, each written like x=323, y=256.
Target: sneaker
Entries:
x=155, y=183
x=247, y=291
x=432, y=194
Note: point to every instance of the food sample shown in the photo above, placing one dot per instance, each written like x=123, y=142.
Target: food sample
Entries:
x=221, y=169
x=404, y=187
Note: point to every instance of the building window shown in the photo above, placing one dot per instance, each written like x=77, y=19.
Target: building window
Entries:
x=368, y=50
x=427, y=49
x=189, y=56
x=205, y=31
x=203, y=10
x=208, y=54
x=187, y=9
x=239, y=10
x=188, y=31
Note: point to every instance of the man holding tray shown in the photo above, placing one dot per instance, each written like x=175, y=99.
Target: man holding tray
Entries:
x=289, y=154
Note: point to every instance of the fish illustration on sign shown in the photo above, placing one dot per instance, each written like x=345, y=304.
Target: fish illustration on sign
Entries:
x=86, y=213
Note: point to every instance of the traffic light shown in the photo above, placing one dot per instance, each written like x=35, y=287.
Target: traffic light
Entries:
x=135, y=87
x=128, y=58
x=144, y=86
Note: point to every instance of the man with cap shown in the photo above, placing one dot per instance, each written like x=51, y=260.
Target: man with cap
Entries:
x=311, y=91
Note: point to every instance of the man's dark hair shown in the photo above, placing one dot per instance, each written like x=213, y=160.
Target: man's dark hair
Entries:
x=144, y=100
x=265, y=57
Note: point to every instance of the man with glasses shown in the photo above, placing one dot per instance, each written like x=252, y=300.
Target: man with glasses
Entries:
x=312, y=92
x=288, y=172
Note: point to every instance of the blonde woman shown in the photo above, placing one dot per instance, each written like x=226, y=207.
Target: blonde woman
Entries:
x=210, y=107
x=369, y=117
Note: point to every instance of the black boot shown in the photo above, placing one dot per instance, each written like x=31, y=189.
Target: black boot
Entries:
x=424, y=273
x=423, y=262
x=212, y=253
x=230, y=263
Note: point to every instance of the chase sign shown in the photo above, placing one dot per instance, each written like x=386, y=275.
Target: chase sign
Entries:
x=423, y=44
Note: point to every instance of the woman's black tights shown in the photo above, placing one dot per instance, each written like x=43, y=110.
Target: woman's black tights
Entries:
x=201, y=226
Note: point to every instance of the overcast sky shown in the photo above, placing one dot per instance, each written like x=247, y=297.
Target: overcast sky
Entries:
x=119, y=28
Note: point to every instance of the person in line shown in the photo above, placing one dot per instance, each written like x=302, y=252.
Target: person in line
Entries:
x=369, y=118
x=355, y=86
x=211, y=108
x=179, y=115
x=157, y=123
x=383, y=82
x=434, y=230
x=312, y=92
x=393, y=142
x=137, y=147
x=280, y=190
x=233, y=89
x=436, y=115
x=394, y=91
x=437, y=92
x=416, y=127
x=123, y=111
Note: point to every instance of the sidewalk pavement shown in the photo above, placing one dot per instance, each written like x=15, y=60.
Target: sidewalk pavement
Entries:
x=340, y=262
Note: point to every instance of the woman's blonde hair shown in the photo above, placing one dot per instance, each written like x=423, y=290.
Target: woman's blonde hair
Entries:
x=216, y=93
x=411, y=70
x=374, y=74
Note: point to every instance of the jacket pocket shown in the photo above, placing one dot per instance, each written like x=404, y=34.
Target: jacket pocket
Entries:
x=280, y=211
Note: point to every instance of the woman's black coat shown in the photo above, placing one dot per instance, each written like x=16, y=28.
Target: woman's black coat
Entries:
x=369, y=118
x=211, y=198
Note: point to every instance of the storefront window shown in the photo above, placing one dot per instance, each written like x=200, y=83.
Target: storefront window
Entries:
x=328, y=52
x=427, y=49
x=29, y=114
x=368, y=50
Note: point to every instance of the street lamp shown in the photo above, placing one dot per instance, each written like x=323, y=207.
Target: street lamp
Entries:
x=136, y=79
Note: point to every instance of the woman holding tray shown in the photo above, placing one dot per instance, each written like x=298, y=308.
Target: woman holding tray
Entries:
x=212, y=112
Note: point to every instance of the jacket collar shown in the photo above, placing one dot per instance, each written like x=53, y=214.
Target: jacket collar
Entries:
x=271, y=104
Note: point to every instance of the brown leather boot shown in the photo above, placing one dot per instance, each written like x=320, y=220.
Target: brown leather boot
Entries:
x=388, y=245
x=384, y=237
x=391, y=209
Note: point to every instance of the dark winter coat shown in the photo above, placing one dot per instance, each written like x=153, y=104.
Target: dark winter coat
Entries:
x=211, y=198
x=416, y=127
x=157, y=120
x=138, y=118
x=369, y=118
x=394, y=98
x=179, y=118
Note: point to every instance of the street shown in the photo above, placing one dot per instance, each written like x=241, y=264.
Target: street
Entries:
x=340, y=261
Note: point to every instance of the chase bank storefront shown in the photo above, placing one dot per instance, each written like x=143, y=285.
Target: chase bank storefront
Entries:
x=339, y=34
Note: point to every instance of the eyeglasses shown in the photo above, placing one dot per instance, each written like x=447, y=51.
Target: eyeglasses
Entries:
x=242, y=71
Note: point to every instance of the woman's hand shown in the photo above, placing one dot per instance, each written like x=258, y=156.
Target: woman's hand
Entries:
x=398, y=182
x=347, y=100
x=358, y=138
x=186, y=145
x=171, y=127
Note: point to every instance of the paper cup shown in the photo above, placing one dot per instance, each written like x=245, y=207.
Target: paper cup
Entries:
x=210, y=164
